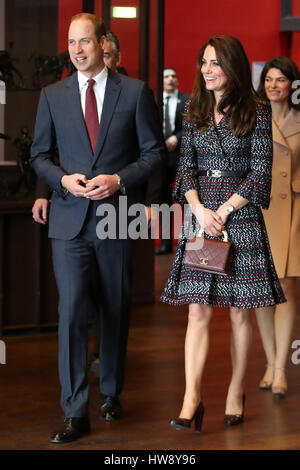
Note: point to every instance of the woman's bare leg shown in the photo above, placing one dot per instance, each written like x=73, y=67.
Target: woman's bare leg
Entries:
x=241, y=342
x=265, y=321
x=196, y=350
x=284, y=321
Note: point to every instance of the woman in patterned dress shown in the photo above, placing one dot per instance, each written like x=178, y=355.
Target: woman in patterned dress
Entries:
x=225, y=129
x=276, y=326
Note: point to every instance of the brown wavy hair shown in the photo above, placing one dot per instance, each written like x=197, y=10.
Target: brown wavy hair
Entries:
x=239, y=96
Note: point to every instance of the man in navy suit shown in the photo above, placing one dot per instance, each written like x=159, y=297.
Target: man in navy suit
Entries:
x=112, y=59
x=174, y=102
x=95, y=167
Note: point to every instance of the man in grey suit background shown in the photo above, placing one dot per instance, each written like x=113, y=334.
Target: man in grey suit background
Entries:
x=107, y=132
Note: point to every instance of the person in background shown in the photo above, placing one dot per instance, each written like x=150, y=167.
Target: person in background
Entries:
x=112, y=54
x=104, y=154
x=174, y=102
x=224, y=175
x=283, y=217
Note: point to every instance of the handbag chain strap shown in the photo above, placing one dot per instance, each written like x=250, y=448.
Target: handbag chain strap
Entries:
x=220, y=142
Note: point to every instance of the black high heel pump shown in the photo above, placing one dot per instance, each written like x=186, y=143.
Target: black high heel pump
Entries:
x=231, y=420
x=182, y=423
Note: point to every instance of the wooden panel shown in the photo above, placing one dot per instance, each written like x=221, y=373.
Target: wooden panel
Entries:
x=28, y=293
x=31, y=32
x=48, y=303
x=19, y=272
x=143, y=274
x=1, y=276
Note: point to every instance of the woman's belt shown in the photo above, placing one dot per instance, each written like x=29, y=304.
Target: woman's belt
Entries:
x=219, y=173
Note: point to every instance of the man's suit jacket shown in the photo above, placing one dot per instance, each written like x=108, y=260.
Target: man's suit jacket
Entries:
x=173, y=157
x=129, y=143
x=159, y=189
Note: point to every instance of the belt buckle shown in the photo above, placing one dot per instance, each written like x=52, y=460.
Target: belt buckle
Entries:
x=214, y=173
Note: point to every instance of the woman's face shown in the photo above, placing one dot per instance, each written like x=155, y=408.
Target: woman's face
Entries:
x=277, y=86
x=213, y=74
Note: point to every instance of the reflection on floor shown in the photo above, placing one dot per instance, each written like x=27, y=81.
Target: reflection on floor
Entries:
x=29, y=390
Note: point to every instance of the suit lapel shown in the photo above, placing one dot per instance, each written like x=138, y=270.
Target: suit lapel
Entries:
x=178, y=115
x=111, y=97
x=290, y=126
x=277, y=134
x=76, y=115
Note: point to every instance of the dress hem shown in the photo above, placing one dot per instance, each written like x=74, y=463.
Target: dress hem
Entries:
x=240, y=305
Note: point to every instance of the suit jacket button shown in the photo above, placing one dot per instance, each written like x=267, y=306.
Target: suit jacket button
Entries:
x=283, y=173
x=283, y=195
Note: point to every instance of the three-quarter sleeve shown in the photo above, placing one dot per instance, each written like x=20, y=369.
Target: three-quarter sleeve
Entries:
x=256, y=187
x=186, y=177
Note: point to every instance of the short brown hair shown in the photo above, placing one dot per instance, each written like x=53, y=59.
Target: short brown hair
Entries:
x=98, y=23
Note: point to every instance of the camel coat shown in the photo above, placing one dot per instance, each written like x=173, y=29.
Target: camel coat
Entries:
x=283, y=217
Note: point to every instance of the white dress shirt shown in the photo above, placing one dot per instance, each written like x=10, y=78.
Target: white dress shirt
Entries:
x=99, y=89
x=172, y=107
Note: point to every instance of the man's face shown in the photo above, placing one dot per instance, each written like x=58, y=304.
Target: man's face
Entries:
x=170, y=81
x=85, y=51
x=111, y=59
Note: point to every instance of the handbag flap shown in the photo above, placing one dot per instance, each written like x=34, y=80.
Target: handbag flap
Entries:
x=204, y=254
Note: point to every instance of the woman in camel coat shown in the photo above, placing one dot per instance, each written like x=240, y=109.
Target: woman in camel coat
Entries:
x=283, y=217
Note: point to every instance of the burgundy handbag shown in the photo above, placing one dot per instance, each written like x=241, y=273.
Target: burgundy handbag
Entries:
x=209, y=256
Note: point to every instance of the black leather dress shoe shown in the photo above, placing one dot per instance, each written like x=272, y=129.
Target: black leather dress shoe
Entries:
x=110, y=408
x=72, y=430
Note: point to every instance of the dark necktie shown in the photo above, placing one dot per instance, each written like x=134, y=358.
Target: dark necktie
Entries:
x=91, y=114
x=168, y=130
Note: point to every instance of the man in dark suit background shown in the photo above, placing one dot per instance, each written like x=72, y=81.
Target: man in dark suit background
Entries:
x=112, y=53
x=174, y=102
x=97, y=162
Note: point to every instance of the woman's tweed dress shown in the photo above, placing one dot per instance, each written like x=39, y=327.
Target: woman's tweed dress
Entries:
x=252, y=281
